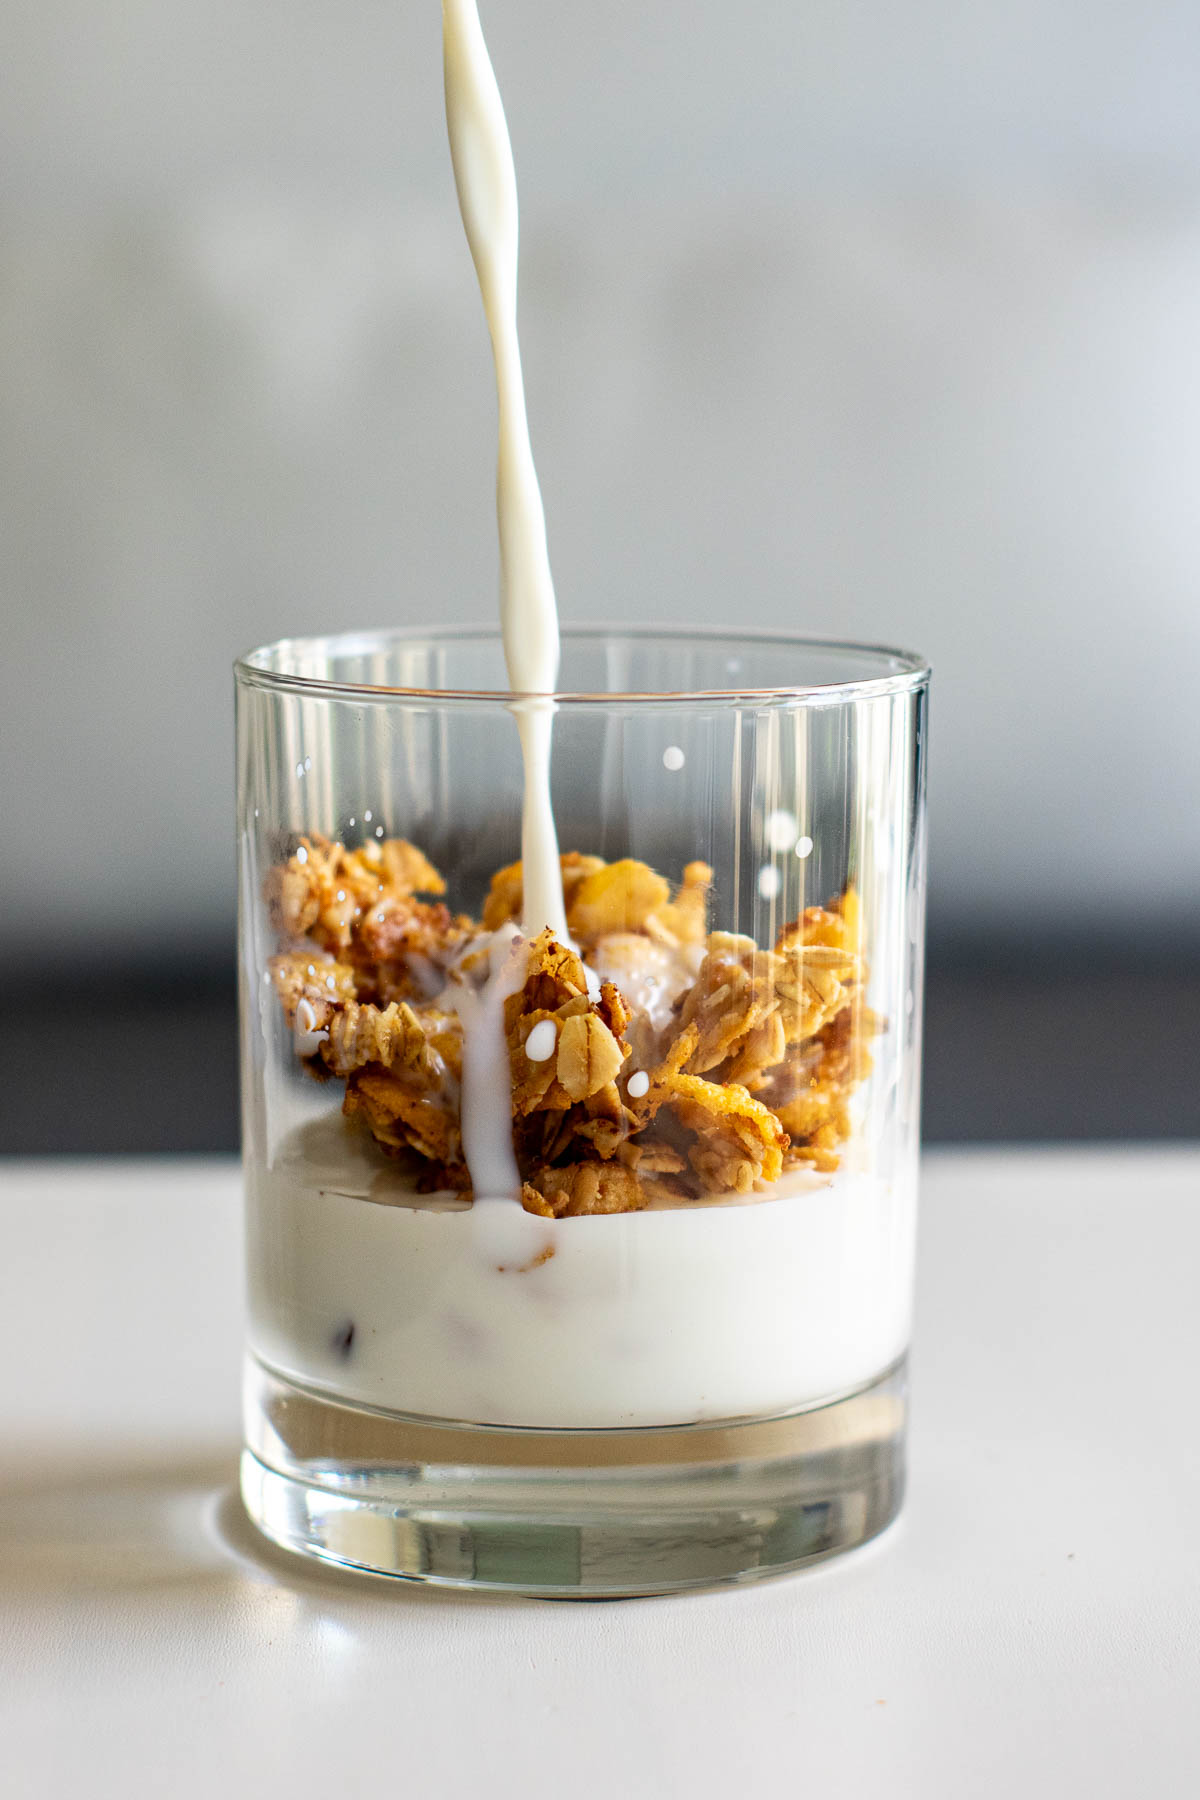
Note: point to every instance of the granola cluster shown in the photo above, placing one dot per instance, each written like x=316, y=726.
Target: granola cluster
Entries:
x=652, y=1063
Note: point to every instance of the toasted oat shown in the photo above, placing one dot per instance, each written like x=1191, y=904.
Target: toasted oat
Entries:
x=323, y=888
x=589, y=1056
x=588, y=1051
x=732, y=996
x=400, y=1118
x=749, y=1004
x=684, y=919
x=507, y=894
x=813, y=985
x=425, y=1044
x=602, y=898
x=837, y=926
x=403, y=948
x=583, y=1187
x=311, y=975
x=620, y=896
x=554, y=975
x=739, y=1143
x=810, y=1091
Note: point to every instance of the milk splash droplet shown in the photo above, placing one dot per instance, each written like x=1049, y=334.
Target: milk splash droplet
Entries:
x=637, y=1085
x=542, y=1041
x=307, y=1039
x=769, y=881
x=673, y=758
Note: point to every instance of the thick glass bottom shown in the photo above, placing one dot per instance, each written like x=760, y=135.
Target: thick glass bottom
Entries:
x=584, y=1514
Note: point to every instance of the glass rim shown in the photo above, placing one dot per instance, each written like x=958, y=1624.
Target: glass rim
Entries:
x=903, y=672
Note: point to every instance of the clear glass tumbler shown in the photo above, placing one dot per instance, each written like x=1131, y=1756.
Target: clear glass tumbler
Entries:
x=676, y=1356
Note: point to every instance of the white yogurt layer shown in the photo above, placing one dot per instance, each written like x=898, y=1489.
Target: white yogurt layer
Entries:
x=718, y=1310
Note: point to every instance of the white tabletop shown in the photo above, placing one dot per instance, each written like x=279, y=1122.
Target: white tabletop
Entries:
x=1030, y=1627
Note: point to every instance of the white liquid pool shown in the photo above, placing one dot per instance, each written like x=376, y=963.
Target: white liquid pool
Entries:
x=718, y=1310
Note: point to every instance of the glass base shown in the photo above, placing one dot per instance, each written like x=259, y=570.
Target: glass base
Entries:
x=570, y=1514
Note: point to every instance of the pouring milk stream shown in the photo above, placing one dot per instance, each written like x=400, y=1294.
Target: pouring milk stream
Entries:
x=487, y=195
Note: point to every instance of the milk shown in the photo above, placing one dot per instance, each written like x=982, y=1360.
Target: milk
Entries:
x=487, y=196
x=717, y=1310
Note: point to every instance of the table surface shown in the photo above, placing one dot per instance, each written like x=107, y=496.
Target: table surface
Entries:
x=1029, y=1627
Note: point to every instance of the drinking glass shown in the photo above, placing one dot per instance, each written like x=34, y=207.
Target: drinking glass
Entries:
x=677, y=1357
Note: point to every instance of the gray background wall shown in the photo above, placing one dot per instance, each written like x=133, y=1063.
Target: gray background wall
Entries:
x=858, y=319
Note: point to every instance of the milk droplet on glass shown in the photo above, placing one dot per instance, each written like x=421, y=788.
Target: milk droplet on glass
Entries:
x=673, y=758
x=780, y=830
x=804, y=846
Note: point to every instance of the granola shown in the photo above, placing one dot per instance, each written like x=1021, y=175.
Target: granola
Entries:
x=653, y=1062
